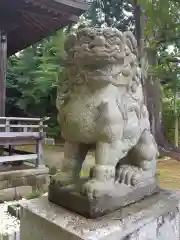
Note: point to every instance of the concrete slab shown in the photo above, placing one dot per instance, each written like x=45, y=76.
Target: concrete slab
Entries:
x=153, y=218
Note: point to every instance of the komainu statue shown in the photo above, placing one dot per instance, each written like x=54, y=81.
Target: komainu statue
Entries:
x=101, y=104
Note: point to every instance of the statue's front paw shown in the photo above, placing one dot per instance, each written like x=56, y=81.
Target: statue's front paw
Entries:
x=63, y=179
x=130, y=175
x=89, y=189
x=94, y=188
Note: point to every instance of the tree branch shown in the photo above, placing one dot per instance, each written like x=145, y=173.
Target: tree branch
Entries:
x=173, y=60
x=170, y=60
x=168, y=40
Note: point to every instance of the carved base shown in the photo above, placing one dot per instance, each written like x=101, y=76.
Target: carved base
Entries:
x=123, y=195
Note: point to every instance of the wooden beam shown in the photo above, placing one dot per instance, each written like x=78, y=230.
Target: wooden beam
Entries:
x=22, y=126
x=80, y=4
x=18, y=158
x=44, y=14
x=16, y=151
x=17, y=142
x=56, y=13
x=23, y=119
x=35, y=38
x=21, y=135
x=76, y=4
x=3, y=60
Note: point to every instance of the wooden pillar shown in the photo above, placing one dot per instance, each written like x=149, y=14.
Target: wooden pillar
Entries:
x=39, y=146
x=3, y=62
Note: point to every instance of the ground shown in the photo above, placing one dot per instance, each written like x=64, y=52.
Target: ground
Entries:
x=169, y=173
x=168, y=170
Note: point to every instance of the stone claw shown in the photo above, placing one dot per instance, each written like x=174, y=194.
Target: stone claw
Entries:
x=130, y=175
x=94, y=188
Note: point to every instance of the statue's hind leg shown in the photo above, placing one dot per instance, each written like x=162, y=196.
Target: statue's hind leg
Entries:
x=74, y=156
x=141, y=162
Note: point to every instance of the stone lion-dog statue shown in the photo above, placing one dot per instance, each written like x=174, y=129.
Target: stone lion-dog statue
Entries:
x=101, y=104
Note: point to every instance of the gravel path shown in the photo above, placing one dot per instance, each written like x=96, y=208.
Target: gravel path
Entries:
x=8, y=224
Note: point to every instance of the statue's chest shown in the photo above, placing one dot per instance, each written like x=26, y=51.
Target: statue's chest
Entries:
x=85, y=115
x=83, y=110
x=88, y=101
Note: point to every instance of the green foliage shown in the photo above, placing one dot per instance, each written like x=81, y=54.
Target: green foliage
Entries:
x=113, y=13
x=33, y=195
x=169, y=117
x=32, y=79
x=161, y=17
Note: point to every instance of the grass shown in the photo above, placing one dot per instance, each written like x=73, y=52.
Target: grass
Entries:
x=34, y=194
x=169, y=174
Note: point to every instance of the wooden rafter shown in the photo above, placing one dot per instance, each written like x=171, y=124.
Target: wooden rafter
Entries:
x=40, y=17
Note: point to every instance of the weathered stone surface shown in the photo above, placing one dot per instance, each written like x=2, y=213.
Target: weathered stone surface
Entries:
x=119, y=197
x=21, y=183
x=10, y=194
x=42, y=182
x=23, y=173
x=7, y=194
x=3, y=184
x=101, y=104
x=163, y=228
x=14, y=210
x=17, y=181
x=23, y=191
x=14, y=236
x=154, y=218
x=15, y=193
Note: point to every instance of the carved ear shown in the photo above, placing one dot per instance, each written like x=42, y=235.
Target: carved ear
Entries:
x=130, y=40
x=70, y=42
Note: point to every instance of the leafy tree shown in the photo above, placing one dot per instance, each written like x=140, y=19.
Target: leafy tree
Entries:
x=115, y=13
x=13, y=94
x=32, y=79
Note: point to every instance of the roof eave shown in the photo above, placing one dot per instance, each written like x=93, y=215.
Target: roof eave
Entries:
x=80, y=4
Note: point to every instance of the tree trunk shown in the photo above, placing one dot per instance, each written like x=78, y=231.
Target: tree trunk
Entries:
x=176, y=132
x=151, y=88
x=3, y=57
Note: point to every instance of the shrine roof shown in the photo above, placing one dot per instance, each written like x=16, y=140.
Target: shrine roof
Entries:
x=28, y=21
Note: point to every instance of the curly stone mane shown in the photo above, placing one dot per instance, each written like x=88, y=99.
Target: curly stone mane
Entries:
x=104, y=56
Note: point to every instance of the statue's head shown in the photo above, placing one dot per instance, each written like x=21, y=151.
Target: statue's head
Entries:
x=100, y=46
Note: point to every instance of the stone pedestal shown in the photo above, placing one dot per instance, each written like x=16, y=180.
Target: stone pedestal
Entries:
x=155, y=218
x=121, y=195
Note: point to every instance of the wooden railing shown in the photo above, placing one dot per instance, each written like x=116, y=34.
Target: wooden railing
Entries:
x=16, y=131
x=7, y=125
